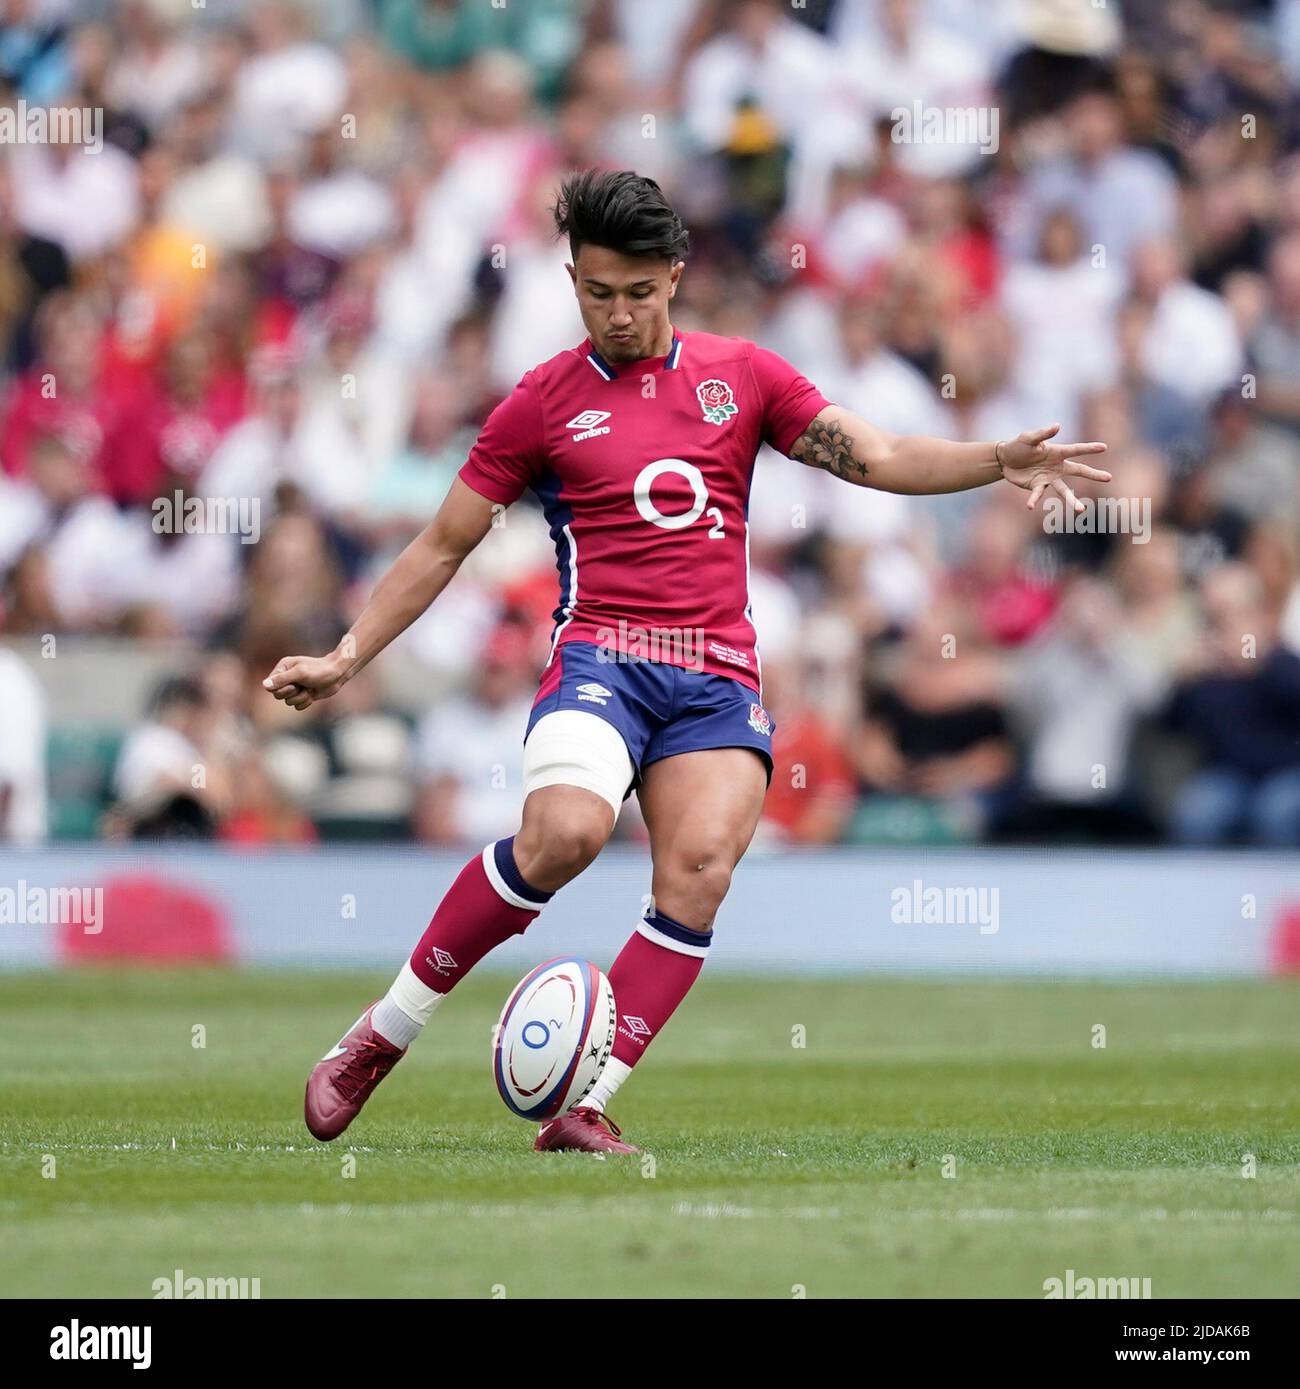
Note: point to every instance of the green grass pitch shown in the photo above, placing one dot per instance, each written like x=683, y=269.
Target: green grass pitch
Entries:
x=777, y=1168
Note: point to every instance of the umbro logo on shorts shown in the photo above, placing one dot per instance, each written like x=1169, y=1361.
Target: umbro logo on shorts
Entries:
x=594, y=694
x=589, y=423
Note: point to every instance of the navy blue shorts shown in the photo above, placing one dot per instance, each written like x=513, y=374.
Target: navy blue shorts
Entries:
x=661, y=710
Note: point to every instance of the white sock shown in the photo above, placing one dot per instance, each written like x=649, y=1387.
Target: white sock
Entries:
x=614, y=1074
x=399, y=1017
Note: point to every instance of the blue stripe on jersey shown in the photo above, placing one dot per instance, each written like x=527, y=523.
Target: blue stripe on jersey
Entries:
x=558, y=514
x=749, y=600
x=674, y=930
x=608, y=372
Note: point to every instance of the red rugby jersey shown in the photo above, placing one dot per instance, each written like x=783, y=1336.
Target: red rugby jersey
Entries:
x=643, y=470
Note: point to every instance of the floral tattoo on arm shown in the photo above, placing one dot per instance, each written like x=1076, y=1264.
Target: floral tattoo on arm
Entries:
x=824, y=444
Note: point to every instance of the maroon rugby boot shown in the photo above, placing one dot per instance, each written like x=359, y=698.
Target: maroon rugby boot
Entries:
x=583, y=1130
x=344, y=1078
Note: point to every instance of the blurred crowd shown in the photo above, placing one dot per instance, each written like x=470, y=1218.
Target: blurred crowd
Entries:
x=315, y=249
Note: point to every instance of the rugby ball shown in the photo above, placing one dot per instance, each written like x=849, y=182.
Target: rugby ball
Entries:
x=554, y=1037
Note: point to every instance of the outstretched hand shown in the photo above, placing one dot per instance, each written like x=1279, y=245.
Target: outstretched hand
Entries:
x=1030, y=462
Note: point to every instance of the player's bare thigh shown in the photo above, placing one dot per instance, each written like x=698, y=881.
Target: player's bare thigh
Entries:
x=563, y=829
x=701, y=809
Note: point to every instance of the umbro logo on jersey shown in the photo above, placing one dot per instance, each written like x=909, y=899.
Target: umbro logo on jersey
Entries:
x=594, y=694
x=589, y=423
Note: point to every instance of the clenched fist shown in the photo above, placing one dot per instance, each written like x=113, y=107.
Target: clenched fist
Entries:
x=301, y=680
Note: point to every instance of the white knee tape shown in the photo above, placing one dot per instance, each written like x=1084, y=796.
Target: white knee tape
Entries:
x=573, y=748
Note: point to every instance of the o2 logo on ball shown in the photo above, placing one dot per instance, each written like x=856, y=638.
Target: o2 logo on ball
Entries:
x=554, y=1037
x=534, y=1027
x=716, y=400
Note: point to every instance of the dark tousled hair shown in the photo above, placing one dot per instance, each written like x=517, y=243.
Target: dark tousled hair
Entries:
x=620, y=210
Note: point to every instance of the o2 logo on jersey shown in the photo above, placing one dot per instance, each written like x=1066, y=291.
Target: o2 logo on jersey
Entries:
x=679, y=467
x=716, y=400
x=759, y=721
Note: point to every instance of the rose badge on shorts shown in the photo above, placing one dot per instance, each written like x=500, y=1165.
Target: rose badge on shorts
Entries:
x=716, y=400
x=758, y=719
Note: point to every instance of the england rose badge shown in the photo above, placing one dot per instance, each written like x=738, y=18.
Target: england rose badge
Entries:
x=716, y=401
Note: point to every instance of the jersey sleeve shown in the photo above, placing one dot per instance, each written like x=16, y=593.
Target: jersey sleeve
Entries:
x=507, y=454
x=789, y=399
